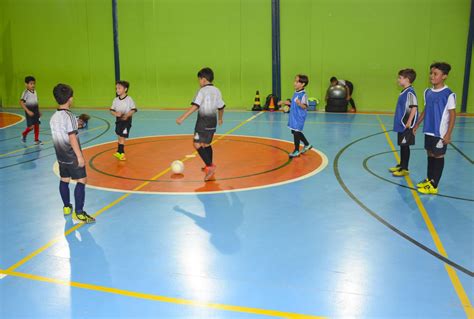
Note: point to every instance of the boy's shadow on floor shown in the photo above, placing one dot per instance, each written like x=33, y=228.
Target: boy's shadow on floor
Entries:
x=223, y=214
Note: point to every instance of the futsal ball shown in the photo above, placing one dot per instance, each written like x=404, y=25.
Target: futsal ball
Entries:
x=177, y=167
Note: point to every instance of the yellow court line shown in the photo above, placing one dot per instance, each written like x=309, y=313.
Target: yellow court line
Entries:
x=160, y=298
x=47, y=142
x=115, y=202
x=458, y=287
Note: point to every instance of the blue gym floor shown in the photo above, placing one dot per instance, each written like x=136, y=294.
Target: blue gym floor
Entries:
x=349, y=242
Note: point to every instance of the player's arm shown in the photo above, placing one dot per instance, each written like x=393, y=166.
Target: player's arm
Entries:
x=286, y=102
x=129, y=114
x=452, y=120
x=115, y=113
x=420, y=119
x=77, y=150
x=220, y=115
x=186, y=114
x=303, y=103
x=348, y=93
x=413, y=110
x=23, y=105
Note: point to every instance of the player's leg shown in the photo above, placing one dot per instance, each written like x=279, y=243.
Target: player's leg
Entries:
x=28, y=129
x=307, y=146
x=79, y=174
x=64, y=192
x=296, y=141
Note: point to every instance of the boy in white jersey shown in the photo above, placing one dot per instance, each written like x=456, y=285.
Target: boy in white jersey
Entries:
x=210, y=106
x=29, y=103
x=438, y=119
x=71, y=162
x=123, y=109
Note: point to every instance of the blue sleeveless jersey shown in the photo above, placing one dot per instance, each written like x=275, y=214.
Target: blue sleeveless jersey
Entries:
x=297, y=114
x=436, y=112
x=402, y=111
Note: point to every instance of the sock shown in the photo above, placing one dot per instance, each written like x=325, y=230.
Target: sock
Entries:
x=438, y=170
x=80, y=196
x=64, y=191
x=210, y=153
x=296, y=139
x=205, y=156
x=429, y=173
x=121, y=148
x=404, y=156
x=303, y=139
x=37, y=131
x=26, y=131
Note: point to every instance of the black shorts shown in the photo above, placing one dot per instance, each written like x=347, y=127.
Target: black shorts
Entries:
x=435, y=145
x=32, y=120
x=122, y=128
x=203, y=137
x=406, y=138
x=72, y=171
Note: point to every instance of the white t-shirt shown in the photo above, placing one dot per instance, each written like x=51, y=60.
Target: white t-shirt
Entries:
x=30, y=99
x=63, y=123
x=124, y=105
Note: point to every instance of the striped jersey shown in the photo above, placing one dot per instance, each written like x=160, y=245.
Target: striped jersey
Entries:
x=64, y=123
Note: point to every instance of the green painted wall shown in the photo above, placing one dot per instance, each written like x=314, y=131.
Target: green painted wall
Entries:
x=163, y=43
x=65, y=41
x=368, y=41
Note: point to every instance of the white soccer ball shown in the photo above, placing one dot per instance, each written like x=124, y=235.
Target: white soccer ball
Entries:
x=177, y=167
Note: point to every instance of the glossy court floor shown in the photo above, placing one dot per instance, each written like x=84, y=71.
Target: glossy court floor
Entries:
x=330, y=234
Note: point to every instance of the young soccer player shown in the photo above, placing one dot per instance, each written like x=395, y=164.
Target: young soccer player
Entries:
x=438, y=119
x=406, y=113
x=29, y=102
x=123, y=109
x=210, y=106
x=349, y=89
x=69, y=154
x=298, y=112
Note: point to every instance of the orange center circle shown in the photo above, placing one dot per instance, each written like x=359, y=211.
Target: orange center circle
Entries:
x=243, y=162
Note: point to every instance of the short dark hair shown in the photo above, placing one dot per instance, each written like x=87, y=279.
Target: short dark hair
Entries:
x=84, y=117
x=442, y=66
x=207, y=74
x=410, y=74
x=62, y=93
x=125, y=84
x=29, y=79
x=303, y=79
x=332, y=79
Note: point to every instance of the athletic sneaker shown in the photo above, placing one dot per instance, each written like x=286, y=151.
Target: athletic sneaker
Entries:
x=38, y=142
x=209, y=170
x=120, y=156
x=394, y=169
x=428, y=189
x=401, y=172
x=23, y=139
x=423, y=183
x=294, y=154
x=83, y=217
x=67, y=210
x=306, y=148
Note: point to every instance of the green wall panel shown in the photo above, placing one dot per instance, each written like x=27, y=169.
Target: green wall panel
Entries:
x=59, y=41
x=368, y=41
x=164, y=43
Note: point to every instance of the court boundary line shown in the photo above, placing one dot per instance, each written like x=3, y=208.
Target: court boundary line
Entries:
x=22, y=119
x=453, y=276
x=162, y=298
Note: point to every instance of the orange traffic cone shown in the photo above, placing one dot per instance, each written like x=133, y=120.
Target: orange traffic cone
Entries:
x=256, y=104
x=271, y=105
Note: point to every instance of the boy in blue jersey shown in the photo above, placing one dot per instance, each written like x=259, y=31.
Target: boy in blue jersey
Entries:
x=405, y=118
x=438, y=119
x=298, y=112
